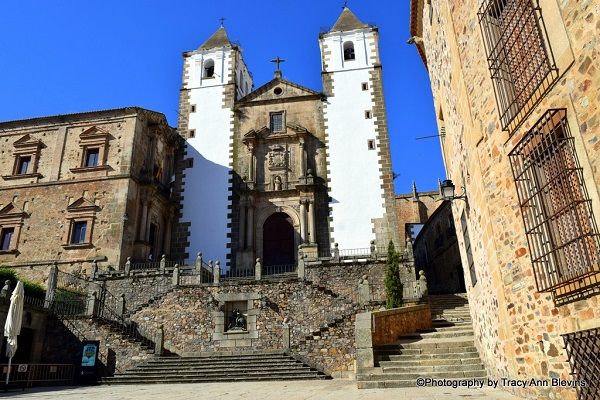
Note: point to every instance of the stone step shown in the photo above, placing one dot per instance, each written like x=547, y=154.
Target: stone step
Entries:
x=209, y=367
x=207, y=372
x=174, y=380
x=433, y=356
x=415, y=375
x=219, y=358
x=416, y=362
x=468, y=334
x=433, y=368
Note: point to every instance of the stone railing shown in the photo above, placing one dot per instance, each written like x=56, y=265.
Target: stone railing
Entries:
x=384, y=327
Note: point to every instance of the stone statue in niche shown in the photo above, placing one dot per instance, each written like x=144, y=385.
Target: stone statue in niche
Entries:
x=277, y=183
x=276, y=158
x=237, y=322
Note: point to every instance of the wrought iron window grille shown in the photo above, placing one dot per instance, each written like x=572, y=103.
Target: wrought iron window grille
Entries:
x=557, y=213
x=583, y=350
x=519, y=57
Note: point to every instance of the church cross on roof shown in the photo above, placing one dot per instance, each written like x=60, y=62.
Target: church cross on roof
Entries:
x=347, y=21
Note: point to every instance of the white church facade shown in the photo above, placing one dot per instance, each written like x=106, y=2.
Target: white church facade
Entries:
x=281, y=170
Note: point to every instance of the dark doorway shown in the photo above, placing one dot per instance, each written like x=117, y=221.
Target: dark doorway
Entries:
x=278, y=240
x=152, y=239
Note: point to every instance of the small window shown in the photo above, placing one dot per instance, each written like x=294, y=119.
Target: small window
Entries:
x=193, y=108
x=78, y=232
x=368, y=115
x=192, y=133
x=23, y=165
x=371, y=144
x=365, y=86
x=277, y=122
x=278, y=91
x=6, y=238
x=91, y=157
x=209, y=69
x=349, y=51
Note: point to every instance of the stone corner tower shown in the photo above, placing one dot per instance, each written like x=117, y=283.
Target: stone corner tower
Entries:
x=360, y=178
x=214, y=77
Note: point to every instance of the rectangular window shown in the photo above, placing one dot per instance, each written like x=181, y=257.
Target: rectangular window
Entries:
x=277, y=122
x=193, y=108
x=91, y=157
x=556, y=209
x=371, y=144
x=6, y=238
x=521, y=66
x=23, y=165
x=192, y=133
x=468, y=250
x=365, y=86
x=583, y=350
x=368, y=114
x=78, y=232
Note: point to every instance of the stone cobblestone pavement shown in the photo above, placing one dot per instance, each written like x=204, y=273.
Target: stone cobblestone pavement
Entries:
x=289, y=390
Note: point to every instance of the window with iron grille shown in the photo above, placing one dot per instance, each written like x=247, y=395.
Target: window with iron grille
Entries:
x=521, y=64
x=557, y=213
x=277, y=122
x=583, y=350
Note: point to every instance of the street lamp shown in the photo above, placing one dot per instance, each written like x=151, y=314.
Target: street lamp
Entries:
x=447, y=189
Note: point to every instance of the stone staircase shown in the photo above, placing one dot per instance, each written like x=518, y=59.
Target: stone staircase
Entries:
x=447, y=351
x=258, y=366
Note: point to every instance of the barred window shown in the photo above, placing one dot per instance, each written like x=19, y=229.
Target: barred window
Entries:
x=557, y=213
x=277, y=122
x=583, y=349
x=521, y=65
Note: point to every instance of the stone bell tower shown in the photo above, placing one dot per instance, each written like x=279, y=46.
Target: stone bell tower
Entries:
x=360, y=179
x=214, y=77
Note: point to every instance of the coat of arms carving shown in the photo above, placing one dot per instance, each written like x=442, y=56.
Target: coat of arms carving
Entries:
x=277, y=158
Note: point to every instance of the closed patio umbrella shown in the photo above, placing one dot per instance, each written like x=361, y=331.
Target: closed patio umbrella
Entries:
x=12, y=327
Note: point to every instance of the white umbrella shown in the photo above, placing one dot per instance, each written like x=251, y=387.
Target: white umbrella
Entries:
x=12, y=327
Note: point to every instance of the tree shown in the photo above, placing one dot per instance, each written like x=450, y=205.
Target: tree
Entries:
x=393, y=285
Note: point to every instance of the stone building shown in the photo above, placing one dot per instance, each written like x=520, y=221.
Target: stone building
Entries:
x=515, y=92
x=413, y=210
x=436, y=252
x=89, y=186
x=283, y=166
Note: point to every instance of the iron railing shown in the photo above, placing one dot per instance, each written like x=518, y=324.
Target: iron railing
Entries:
x=555, y=205
x=29, y=375
x=583, y=350
x=275, y=270
x=519, y=57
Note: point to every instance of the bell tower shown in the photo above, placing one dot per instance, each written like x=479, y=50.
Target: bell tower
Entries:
x=361, y=187
x=214, y=77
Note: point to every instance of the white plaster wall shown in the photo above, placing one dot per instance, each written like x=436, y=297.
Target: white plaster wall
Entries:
x=354, y=178
x=207, y=188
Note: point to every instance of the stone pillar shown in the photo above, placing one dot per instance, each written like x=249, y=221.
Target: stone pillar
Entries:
x=163, y=263
x=301, y=268
x=257, y=270
x=94, y=273
x=52, y=281
x=167, y=237
x=128, y=266
x=251, y=163
x=364, y=341
x=91, y=304
x=144, y=221
x=217, y=272
x=121, y=304
x=423, y=291
x=373, y=249
x=302, y=222
x=302, y=151
x=311, y=222
x=159, y=341
x=364, y=291
x=199, y=261
x=250, y=228
x=286, y=335
x=335, y=254
x=175, y=280
x=242, y=231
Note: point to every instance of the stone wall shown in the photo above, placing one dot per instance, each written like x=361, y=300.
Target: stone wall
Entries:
x=414, y=208
x=390, y=324
x=517, y=328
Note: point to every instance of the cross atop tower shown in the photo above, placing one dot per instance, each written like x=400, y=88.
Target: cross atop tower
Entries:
x=277, y=61
x=345, y=4
x=222, y=19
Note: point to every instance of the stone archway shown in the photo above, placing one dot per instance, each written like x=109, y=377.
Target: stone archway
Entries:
x=279, y=240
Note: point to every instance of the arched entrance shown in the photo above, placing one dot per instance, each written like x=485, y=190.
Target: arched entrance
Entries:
x=278, y=240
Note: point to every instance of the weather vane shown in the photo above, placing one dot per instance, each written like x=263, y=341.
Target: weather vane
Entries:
x=345, y=4
x=222, y=19
x=277, y=61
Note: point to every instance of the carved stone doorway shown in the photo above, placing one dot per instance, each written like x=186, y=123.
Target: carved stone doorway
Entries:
x=278, y=240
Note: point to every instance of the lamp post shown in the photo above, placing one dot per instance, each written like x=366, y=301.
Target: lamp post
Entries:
x=447, y=191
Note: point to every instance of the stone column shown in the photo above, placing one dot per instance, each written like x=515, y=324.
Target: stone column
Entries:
x=160, y=341
x=242, y=231
x=251, y=163
x=198, y=264
x=167, y=237
x=175, y=279
x=286, y=335
x=250, y=228
x=257, y=270
x=302, y=222
x=121, y=304
x=128, y=266
x=163, y=264
x=216, y=272
x=364, y=341
x=52, y=280
x=311, y=222
x=302, y=151
x=144, y=221
x=91, y=305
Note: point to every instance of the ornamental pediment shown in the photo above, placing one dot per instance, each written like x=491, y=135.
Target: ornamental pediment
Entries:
x=82, y=204
x=11, y=210
x=279, y=89
x=291, y=130
x=27, y=141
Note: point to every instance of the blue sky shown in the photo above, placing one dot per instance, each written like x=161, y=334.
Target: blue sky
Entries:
x=59, y=57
